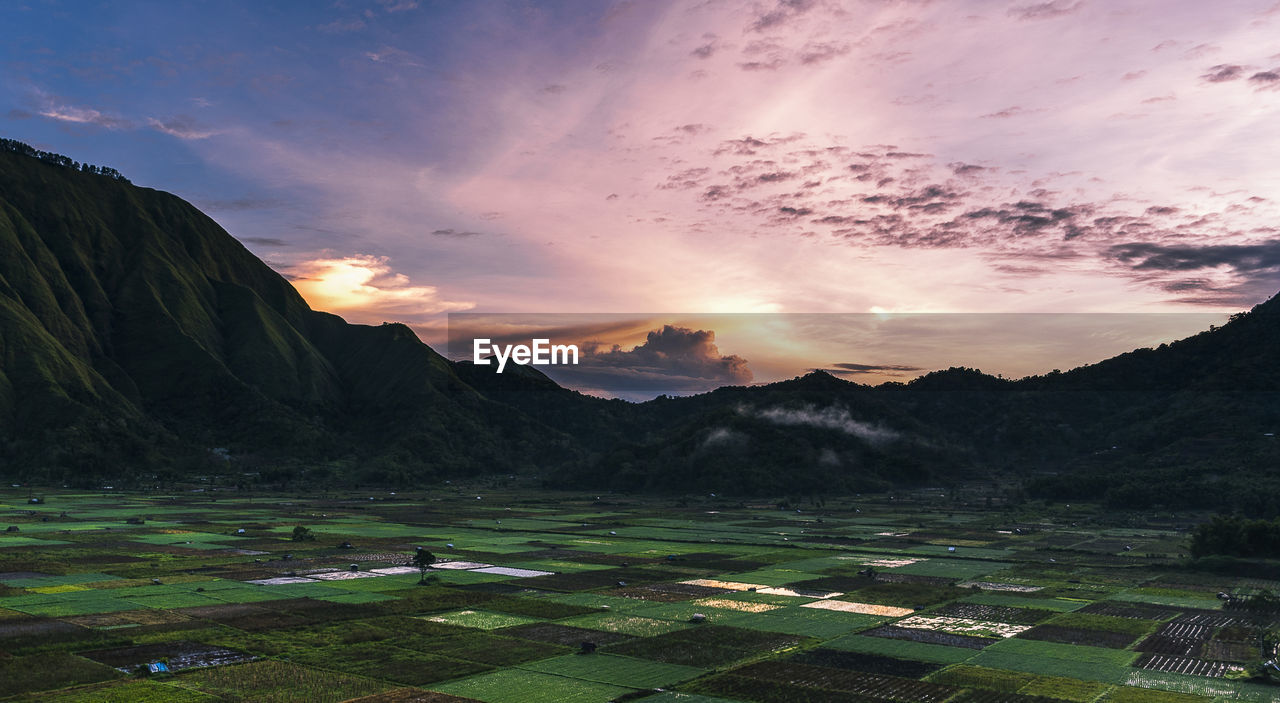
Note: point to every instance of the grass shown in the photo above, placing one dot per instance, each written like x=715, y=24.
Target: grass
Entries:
x=278, y=682
x=522, y=686
x=41, y=672
x=616, y=670
x=480, y=619
x=905, y=649
x=492, y=638
x=1053, y=659
x=127, y=692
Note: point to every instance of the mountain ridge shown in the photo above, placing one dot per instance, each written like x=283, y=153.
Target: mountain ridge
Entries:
x=137, y=336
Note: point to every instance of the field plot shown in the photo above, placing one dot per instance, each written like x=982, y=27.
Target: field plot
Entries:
x=522, y=686
x=553, y=597
x=926, y=635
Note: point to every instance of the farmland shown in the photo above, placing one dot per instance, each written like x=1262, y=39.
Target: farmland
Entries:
x=921, y=596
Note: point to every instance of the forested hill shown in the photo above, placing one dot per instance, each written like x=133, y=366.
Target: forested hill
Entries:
x=136, y=336
x=140, y=343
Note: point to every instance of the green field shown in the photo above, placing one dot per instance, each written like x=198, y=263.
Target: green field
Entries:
x=552, y=597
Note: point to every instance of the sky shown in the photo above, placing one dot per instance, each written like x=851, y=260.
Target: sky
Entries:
x=406, y=159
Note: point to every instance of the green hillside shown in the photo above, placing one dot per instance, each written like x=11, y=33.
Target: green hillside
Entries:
x=136, y=336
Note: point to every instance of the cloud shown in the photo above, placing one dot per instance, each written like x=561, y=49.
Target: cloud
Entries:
x=1044, y=10
x=1266, y=80
x=182, y=127
x=457, y=234
x=398, y=5
x=851, y=369
x=84, y=115
x=962, y=169
x=265, y=241
x=679, y=351
x=365, y=289
x=1223, y=73
x=706, y=51
x=1245, y=258
x=770, y=65
x=672, y=359
x=781, y=13
x=395, y=57
x=724, y=437
x=1014, y=111
x=818, y=52
x=1224, y=274
x=831, y=418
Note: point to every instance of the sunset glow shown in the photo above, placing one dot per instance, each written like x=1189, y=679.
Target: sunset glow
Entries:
x=403, y=160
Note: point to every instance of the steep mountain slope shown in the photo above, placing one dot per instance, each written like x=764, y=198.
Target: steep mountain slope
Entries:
x=133, y=329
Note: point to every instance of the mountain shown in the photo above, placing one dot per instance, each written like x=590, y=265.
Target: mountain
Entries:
x=140, y=343
x=136, y=336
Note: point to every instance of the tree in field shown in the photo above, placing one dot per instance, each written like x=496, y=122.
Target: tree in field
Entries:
x=423, y=560
x=302, y=534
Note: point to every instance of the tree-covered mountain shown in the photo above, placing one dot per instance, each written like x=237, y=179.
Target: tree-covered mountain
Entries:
x=139, y=341
x=136, y=336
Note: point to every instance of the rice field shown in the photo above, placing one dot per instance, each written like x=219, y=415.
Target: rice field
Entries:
x=538, y=597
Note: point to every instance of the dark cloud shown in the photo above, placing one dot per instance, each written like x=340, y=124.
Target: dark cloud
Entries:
x=1200, y=51
x=611, y=196
x=886, y=195
x=780, y=14
x=1006, y=113
x=457, y=234
x=771, y=65
x=716, y=193
x=962, y=169
x=553, y=89
x=1133, y=75
x=932, y=199
x=1244, y=258
x=814, y=53
x=775, y=177
x=851, y=369
x=671, y=359
x=1266, y=79
x=265, y=241
x=16, y=114
x=686, y=179
x=1027, y=217
x=1223, y=72
x=1044, y=10
x=705, y=51
x=749, y=145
